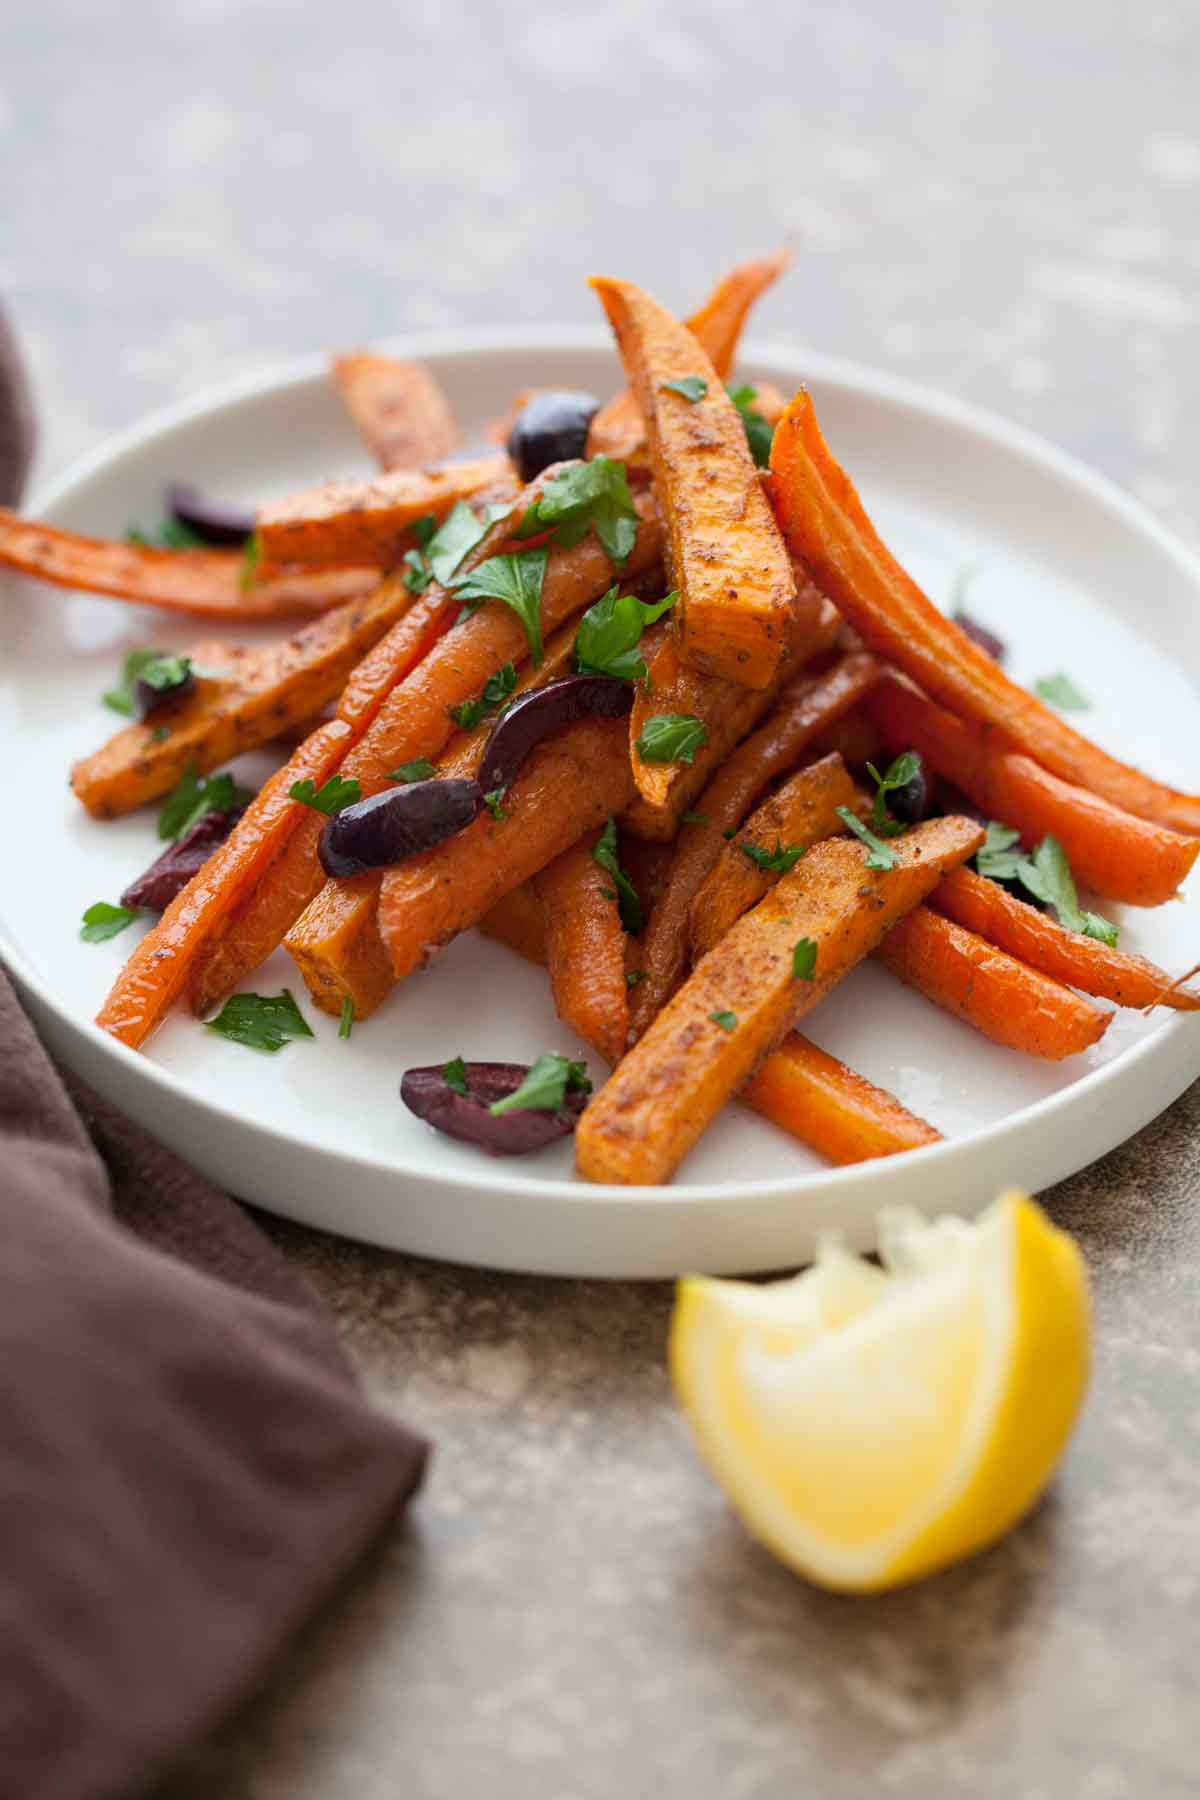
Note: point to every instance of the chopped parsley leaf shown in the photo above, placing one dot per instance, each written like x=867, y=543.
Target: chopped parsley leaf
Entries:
x=251, y=557
x=907, y=767
x=629, y=902
x=338, y=792
x=671, y=737
x=772, y=862
x=759, y=433
x=545, y=1087
x=726, y=1020
x=692, y=387
x=195, y=796
x=102, y=921
x=515, y=578
x=804, y=959
x=610, y=633
x=169, y=534
x=583, y=496
x=454, y=1074
x=997, y=857
x=420, y=769
x=634, y=976
x=882, y=855
x=260, y=1021
x=493, y=803
x=496, y=690
x=1060, y=691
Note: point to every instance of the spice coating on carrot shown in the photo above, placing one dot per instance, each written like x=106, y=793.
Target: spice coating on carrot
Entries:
x=726, y=710
x=797, y=815
x=724, y=551
x=617, y=429
x=805, y=707
x=745, y=995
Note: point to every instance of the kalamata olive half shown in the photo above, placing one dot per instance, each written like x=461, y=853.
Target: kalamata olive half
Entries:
x=400, y=822
x=16, y=419
x=427, y=1093
x=979, y=634
x=215, y=521
x=171, y=872
x=540, y=710
x=148, y=696
x=550, y=428
x=910, y=803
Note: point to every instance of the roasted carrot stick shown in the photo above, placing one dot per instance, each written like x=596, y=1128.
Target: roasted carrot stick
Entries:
x=798, y=815
x=158, y=970
x=617, y=429
x=206, y=582
x=825, y=524
x=823, y=1102
x=1110, y=851
x=517, y=920
x=726, y=710
x=264, y=693
x=571, y=783
x=253, y=854
x=806, y=705
x=585, y=948
x=459, y=666
x=991, y=912
x=369, y=521
x=830, y=1107
x=413, y=721
x=1010, y=1003
x=744, y=996
x=397, y=407
x=724, y=552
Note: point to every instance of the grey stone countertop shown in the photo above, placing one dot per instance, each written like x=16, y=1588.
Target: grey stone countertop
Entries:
x=998, y=197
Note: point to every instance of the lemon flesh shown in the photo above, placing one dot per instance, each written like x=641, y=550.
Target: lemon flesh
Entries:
x=873, y=1424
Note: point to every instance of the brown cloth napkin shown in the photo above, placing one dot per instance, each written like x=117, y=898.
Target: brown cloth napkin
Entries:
x=186, y=1464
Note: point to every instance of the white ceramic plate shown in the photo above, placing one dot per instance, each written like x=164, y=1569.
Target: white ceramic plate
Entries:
x=1071, y=573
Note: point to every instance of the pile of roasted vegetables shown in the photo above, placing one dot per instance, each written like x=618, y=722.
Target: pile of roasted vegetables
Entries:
x=637, y=690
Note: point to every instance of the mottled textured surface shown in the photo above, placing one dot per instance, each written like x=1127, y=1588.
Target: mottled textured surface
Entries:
x=1000, y=198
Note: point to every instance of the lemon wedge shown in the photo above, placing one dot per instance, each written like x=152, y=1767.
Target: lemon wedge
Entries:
x=873, y=1424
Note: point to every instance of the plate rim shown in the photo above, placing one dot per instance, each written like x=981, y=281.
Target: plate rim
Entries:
x=860, y=379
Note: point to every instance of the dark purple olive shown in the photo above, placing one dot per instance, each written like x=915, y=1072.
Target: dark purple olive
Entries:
x=910, y=803
x=979, y=634
x=550, y=428
x=539, y=711
x=148, y=696
x=213, y=520
x=172, y=871
x=16, y=419
x=427, y=1093
x=398, y=823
